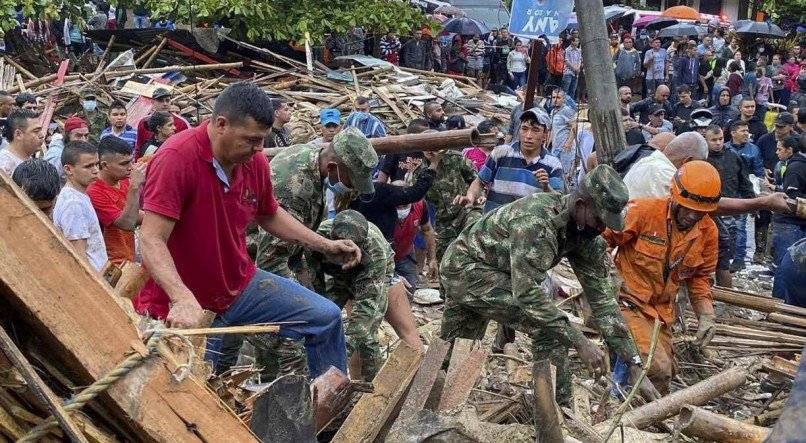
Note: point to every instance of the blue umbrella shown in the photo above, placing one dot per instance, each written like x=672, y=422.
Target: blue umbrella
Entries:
x=465, y=26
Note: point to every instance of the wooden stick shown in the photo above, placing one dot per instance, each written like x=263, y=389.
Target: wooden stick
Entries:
x=19, y=67
x=355, y=81
x=156, y=52
x=248, y=329
x=696, y=422
x=177, y=68
x=42, y=390
x=103, y=57
x=547, y=421
x=753, y=301
x=623, y=408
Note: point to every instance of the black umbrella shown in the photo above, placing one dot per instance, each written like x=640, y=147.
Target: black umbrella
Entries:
x=681, y=30
x=661, y=23
x=760, y=30
x=465, y=26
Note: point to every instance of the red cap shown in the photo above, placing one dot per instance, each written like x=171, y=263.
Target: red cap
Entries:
x=74, y=122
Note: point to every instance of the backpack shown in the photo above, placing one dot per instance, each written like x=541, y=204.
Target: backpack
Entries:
x=626, y=158
x=556, y=60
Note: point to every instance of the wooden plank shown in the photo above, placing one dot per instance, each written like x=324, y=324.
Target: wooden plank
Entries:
x=50, y=105
x=42, y=391
x=424, y=380
x=75, y=313
x=385, y=97
x=461, y=349
x=458, y=386
x=373, y=410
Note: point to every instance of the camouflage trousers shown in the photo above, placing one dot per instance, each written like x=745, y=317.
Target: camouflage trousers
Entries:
x=476, y=294
x=447, y=234
x=279, y=356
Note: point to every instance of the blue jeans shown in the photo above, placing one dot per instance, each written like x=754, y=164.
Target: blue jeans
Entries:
x=570, y=84
x=784, y=235
x=793, y=279
x=519, y=80
x=142, y=21
x=740, y=250
x=269, y=298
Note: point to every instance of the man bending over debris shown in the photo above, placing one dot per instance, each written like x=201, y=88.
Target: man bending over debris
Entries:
x=204, y=187
x=667, y=241
x=494, y=271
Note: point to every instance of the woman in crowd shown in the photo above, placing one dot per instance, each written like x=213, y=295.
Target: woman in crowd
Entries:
x=516, y=65
x=161, y=124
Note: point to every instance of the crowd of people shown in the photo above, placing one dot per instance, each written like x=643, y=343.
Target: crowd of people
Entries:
x=228, y=216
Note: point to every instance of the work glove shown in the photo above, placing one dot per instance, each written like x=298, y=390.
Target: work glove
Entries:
x=705, y=330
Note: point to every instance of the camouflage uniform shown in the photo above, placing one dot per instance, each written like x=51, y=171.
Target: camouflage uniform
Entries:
x=453, y=176
x=96, y=120
x=298, y=189
x=367, y=285
x=494, y=271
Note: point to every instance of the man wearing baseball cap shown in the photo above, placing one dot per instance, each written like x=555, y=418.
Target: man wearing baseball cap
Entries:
x=330, y=120
x=494, y=271
x=657, y=123
x=75, y=128
x=161, y=102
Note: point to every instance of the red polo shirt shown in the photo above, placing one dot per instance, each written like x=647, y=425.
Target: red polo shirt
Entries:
x=208, y=242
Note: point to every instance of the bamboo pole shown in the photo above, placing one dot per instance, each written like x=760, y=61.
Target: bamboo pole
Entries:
x=189, y=68
x=428, y=141
x=696, y=422
x=248, y=329
x=697, y=394
x=786, y=319
x=109, y=44
x=547, y=420
x=156, y=52
x=759, y=303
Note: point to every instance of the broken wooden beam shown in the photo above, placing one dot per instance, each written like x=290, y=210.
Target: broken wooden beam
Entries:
x=75, y=314
x=696, y=422
x=547, y=419
x=429, y=141
x=424, y=380
x=696, y=395
x=372, y=411
x=757, y=302
x=42, y=391
x=200, y=56
x=461, y=380
x=132, y=279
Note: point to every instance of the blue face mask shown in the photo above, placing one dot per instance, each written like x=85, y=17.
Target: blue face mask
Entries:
x=338, y=188
x=90, y=105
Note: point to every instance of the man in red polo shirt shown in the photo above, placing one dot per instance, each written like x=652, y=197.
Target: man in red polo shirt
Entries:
x=203, y=188
x=162, y=102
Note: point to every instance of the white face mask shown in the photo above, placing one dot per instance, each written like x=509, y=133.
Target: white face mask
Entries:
x=403, y=213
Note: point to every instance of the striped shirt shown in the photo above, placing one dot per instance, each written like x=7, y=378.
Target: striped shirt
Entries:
x=129, y=135
x=510, y=177
x=368, y=124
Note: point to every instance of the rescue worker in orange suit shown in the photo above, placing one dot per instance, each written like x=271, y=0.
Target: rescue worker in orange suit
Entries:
x=667, y=241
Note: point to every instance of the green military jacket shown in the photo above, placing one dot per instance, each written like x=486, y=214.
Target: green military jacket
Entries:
x=526, y=239
x=367, y=286
x=298, y=189
x=453, y=177
x=97, y=122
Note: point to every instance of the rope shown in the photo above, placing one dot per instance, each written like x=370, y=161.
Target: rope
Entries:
x=94, y=390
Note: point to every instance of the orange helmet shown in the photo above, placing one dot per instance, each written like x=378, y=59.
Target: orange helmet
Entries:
x=696, y=185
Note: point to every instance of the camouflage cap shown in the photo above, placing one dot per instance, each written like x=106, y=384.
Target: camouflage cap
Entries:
x=89, y=92
x=356, y=152
x=350, y=225
x=609, y=194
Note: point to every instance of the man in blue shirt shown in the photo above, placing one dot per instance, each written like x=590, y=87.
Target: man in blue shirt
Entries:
x=751, y=155
x=367, y=123
x=118, y=126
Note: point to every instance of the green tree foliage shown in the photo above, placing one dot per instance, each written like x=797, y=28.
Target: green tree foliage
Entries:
x=290, y=19
x=786, y=13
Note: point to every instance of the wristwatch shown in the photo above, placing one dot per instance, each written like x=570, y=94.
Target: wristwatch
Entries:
x=636, y=361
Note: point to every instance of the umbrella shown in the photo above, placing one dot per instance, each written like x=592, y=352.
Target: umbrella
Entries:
x=450, y=10
x=681, y=12
x=661, y=23
x=760, y=30
x=644, y=20
x=681, y=30
x=614, y=12
x=465, y=26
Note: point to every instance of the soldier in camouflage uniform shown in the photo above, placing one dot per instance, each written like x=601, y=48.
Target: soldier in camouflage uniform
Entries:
x=494, y=271
x=453, y=176
x=300, y=174
x=96, y=119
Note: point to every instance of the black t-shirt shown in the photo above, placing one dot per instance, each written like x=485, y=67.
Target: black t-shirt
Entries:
x=395, y=166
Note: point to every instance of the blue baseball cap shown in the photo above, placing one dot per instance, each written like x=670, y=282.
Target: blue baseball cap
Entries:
x=328, y=116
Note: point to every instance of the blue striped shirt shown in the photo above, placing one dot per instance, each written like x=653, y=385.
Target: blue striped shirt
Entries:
x=368, y=124
x=510, y=177
x=129, y=135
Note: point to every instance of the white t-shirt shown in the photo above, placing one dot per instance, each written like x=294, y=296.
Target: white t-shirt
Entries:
x=75, y=217
x=651, y=177
x=9, y=161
